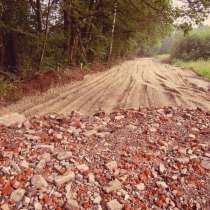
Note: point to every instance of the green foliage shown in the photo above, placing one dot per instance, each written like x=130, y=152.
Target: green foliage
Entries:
x=194, y=46
x=8, y=90
x=39, y=34
x=202, y=67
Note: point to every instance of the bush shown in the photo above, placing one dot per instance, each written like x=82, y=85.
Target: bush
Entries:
x=195, y=46
x=8, y=90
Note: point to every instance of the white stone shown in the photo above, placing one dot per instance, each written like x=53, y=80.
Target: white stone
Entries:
x=37, y=206
x=83, y=168
x=111, y=165
x=5, y=206
x=119, y=117
x=39, y=181
x=17, y=195
x=68, y=176
x=140, y=186
x=162, y=168
x=192, y=136
x=41, y=165
x=71, y=201
x=90, y=133
x=91, y=178
x=161, y=184
x=27, y=200
x=183, y=160
x=114, y=205
x=97, y=199
x=102, y=135
x=113, y=186
x=59, y=136
x=205, y=164
x=207, y=154
x=49, y=147
x=24, y=164
x=32, y=137
x=131, y=127
x=64, y=155
x=153, y=130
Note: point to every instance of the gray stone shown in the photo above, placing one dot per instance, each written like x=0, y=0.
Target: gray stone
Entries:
x=64, y=155
x=17, y=195
x=97, y=199
x=37, y=206
x=162, y=184
x=83, y=168
x=39, y=181
x=42, y=163
x=71, y=201
x=114, y=205
x=120, y=117
x=113, y=186
x=91, y=178
x=49, y=147
x=30, y=137
x=111, y=165
x=24, y=164
x=68, y=176
x=183, y=160
x=5, y=206
x=205, y=164
x=140, y=187
x=162, y=168
x=90, y=133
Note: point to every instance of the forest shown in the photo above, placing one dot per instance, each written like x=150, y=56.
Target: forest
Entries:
x=40, y=34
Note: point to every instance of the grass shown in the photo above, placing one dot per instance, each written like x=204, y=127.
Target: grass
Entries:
x=202, y=67
x=163, y=57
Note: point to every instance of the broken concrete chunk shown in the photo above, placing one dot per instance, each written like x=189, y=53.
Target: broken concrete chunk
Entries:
x=113, y=186
x=17, y=195
x=183, y=160
x=83, y=168
x=140, y=187
x=39, y=181
x=68, y=176
x=114, y=205
x=71, y=201
x=111, y=165
x=64, y=155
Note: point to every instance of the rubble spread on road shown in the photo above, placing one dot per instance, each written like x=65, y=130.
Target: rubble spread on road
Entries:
x=129, y=159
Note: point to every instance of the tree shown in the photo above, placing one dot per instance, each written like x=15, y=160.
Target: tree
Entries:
x=38, y=34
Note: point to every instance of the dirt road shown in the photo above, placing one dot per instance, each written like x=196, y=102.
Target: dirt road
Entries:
x=139, y=82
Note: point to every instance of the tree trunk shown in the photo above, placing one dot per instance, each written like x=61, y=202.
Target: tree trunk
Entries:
x=69, y=31
x=45, y=34
x=113, y=30
x=10, y=54
x=66, y=26
x=9, y=38
x=39, y=16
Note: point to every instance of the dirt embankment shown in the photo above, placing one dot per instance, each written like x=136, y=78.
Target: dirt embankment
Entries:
x=135, y=83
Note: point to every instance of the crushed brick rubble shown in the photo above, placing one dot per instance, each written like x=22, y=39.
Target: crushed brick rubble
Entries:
x=129, y=159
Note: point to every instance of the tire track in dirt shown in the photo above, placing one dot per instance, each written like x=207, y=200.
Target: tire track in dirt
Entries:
x=135, y=83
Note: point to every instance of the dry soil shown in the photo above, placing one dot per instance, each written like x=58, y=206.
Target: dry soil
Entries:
x=139, y=82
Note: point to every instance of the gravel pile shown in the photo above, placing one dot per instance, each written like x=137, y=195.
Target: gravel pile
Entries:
x=129, y=159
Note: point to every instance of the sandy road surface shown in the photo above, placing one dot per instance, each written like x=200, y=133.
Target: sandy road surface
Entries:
x=140, y=82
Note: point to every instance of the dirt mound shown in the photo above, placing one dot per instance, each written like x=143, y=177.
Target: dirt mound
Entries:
x=129, y=159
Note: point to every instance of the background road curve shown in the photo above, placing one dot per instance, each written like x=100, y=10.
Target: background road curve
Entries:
x=134, y=83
